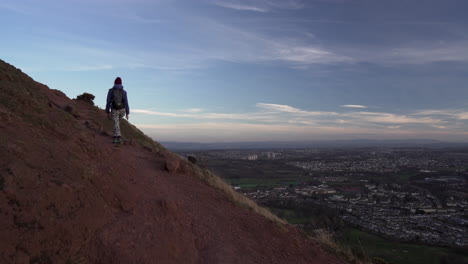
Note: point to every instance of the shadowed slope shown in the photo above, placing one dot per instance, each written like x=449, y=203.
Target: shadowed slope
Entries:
x=68, y=196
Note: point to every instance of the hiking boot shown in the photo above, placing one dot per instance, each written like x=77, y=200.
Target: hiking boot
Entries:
x=117, y=140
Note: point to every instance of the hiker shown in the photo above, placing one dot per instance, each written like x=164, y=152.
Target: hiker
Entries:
x=117, y=107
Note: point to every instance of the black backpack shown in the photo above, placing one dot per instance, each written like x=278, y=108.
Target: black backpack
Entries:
x=117, y=99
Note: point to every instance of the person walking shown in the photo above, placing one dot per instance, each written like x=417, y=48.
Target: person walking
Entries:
x=117, y=107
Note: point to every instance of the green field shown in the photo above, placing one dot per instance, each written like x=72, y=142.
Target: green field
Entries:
x=373, y=246
x=292, y=216
x=258, y=183
x=258, y=174
x=401, y=253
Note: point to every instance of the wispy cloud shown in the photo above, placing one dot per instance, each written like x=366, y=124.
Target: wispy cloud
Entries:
x=193, y=110
x=241, y=7
x=376, y=117
x=77, y=53
x=225, y=131
x=455, y=114
x=262, y=6
x=417, y=52
x=279, y=108
x=229, y=132
x=140, y=19
x=305, y=54
x=353, y=106
x=90, y=68
x=287, y=4
x=234, y=44
x=278, y=114
x=219, y=116
x=15, y=8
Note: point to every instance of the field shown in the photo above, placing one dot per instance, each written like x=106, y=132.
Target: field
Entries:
x=401, y=253
x=373, y=246
x=258, y=174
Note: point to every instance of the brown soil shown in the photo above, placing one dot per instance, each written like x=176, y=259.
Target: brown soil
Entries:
x=68, y=196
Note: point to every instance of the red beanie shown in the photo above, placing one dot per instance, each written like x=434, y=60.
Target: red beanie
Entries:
x=118, y=80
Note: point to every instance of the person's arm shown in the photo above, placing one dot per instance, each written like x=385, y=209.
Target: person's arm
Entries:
x=108, y=101
x=127, y=108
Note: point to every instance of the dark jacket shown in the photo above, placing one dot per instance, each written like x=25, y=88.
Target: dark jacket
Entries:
x=110, y=96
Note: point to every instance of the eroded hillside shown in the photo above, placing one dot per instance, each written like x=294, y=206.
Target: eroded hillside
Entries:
x=68, y=196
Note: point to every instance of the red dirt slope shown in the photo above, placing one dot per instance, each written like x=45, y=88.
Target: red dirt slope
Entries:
x=68, y=196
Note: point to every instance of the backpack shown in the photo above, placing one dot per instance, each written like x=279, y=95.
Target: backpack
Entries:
x=117, y=99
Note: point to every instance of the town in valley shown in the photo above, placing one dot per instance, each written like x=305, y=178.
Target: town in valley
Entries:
x=416, y=195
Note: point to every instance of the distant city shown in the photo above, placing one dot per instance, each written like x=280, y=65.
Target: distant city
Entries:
x=407, y=193
x=354, y=143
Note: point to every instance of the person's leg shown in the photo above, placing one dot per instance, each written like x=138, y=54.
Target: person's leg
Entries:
x=116, y=119
x=121, y=114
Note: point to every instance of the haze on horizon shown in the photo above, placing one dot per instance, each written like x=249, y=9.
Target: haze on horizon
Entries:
x=255, y=70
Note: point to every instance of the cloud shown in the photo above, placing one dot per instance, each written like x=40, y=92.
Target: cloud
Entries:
x=279, y=108
x=409, y=53
x=225, y=131
x=215, y=42
x=353, y=106
x=66, y=52
x=280, y=121
x=262, y=6
x=295, y=111
x=278, y=113
x=219, y=116
x=376, y=117
x=439, y=127
x=455, y=51
x=287, y=4
x=305, y=54
x=233, y=44
x=228, y=132
x=455, y=114
x=193, y=110
x=241, y=7
x=140, y=19
x=16, y=8
x=462, y=116
x=90, y=68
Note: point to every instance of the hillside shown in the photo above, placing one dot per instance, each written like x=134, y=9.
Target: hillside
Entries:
x=68, y=196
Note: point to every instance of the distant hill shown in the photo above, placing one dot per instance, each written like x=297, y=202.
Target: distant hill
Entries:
x=311, y=144
x=68, y=196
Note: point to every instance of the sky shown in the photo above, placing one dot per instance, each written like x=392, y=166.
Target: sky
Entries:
x=255, y=70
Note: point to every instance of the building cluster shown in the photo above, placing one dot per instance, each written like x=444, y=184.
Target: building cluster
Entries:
x=380, y=165
x=240, y=155
x=411, y=216
x=252, y=157
x=407, y=194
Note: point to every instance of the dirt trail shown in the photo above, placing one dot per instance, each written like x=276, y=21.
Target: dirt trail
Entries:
x=68, y=196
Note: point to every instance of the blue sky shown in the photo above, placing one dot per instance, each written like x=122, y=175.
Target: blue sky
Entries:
x=254, y=70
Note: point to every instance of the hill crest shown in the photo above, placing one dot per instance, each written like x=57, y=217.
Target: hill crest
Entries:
x=68, y=196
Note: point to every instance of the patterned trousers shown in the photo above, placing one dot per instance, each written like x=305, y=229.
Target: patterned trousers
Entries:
x=117, y=115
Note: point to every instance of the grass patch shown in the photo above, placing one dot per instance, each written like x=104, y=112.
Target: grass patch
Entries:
x=132, y=132
x=259, y=183
x=402, y=253
x=291, y=216
x=237, y=198
x=326, y=240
